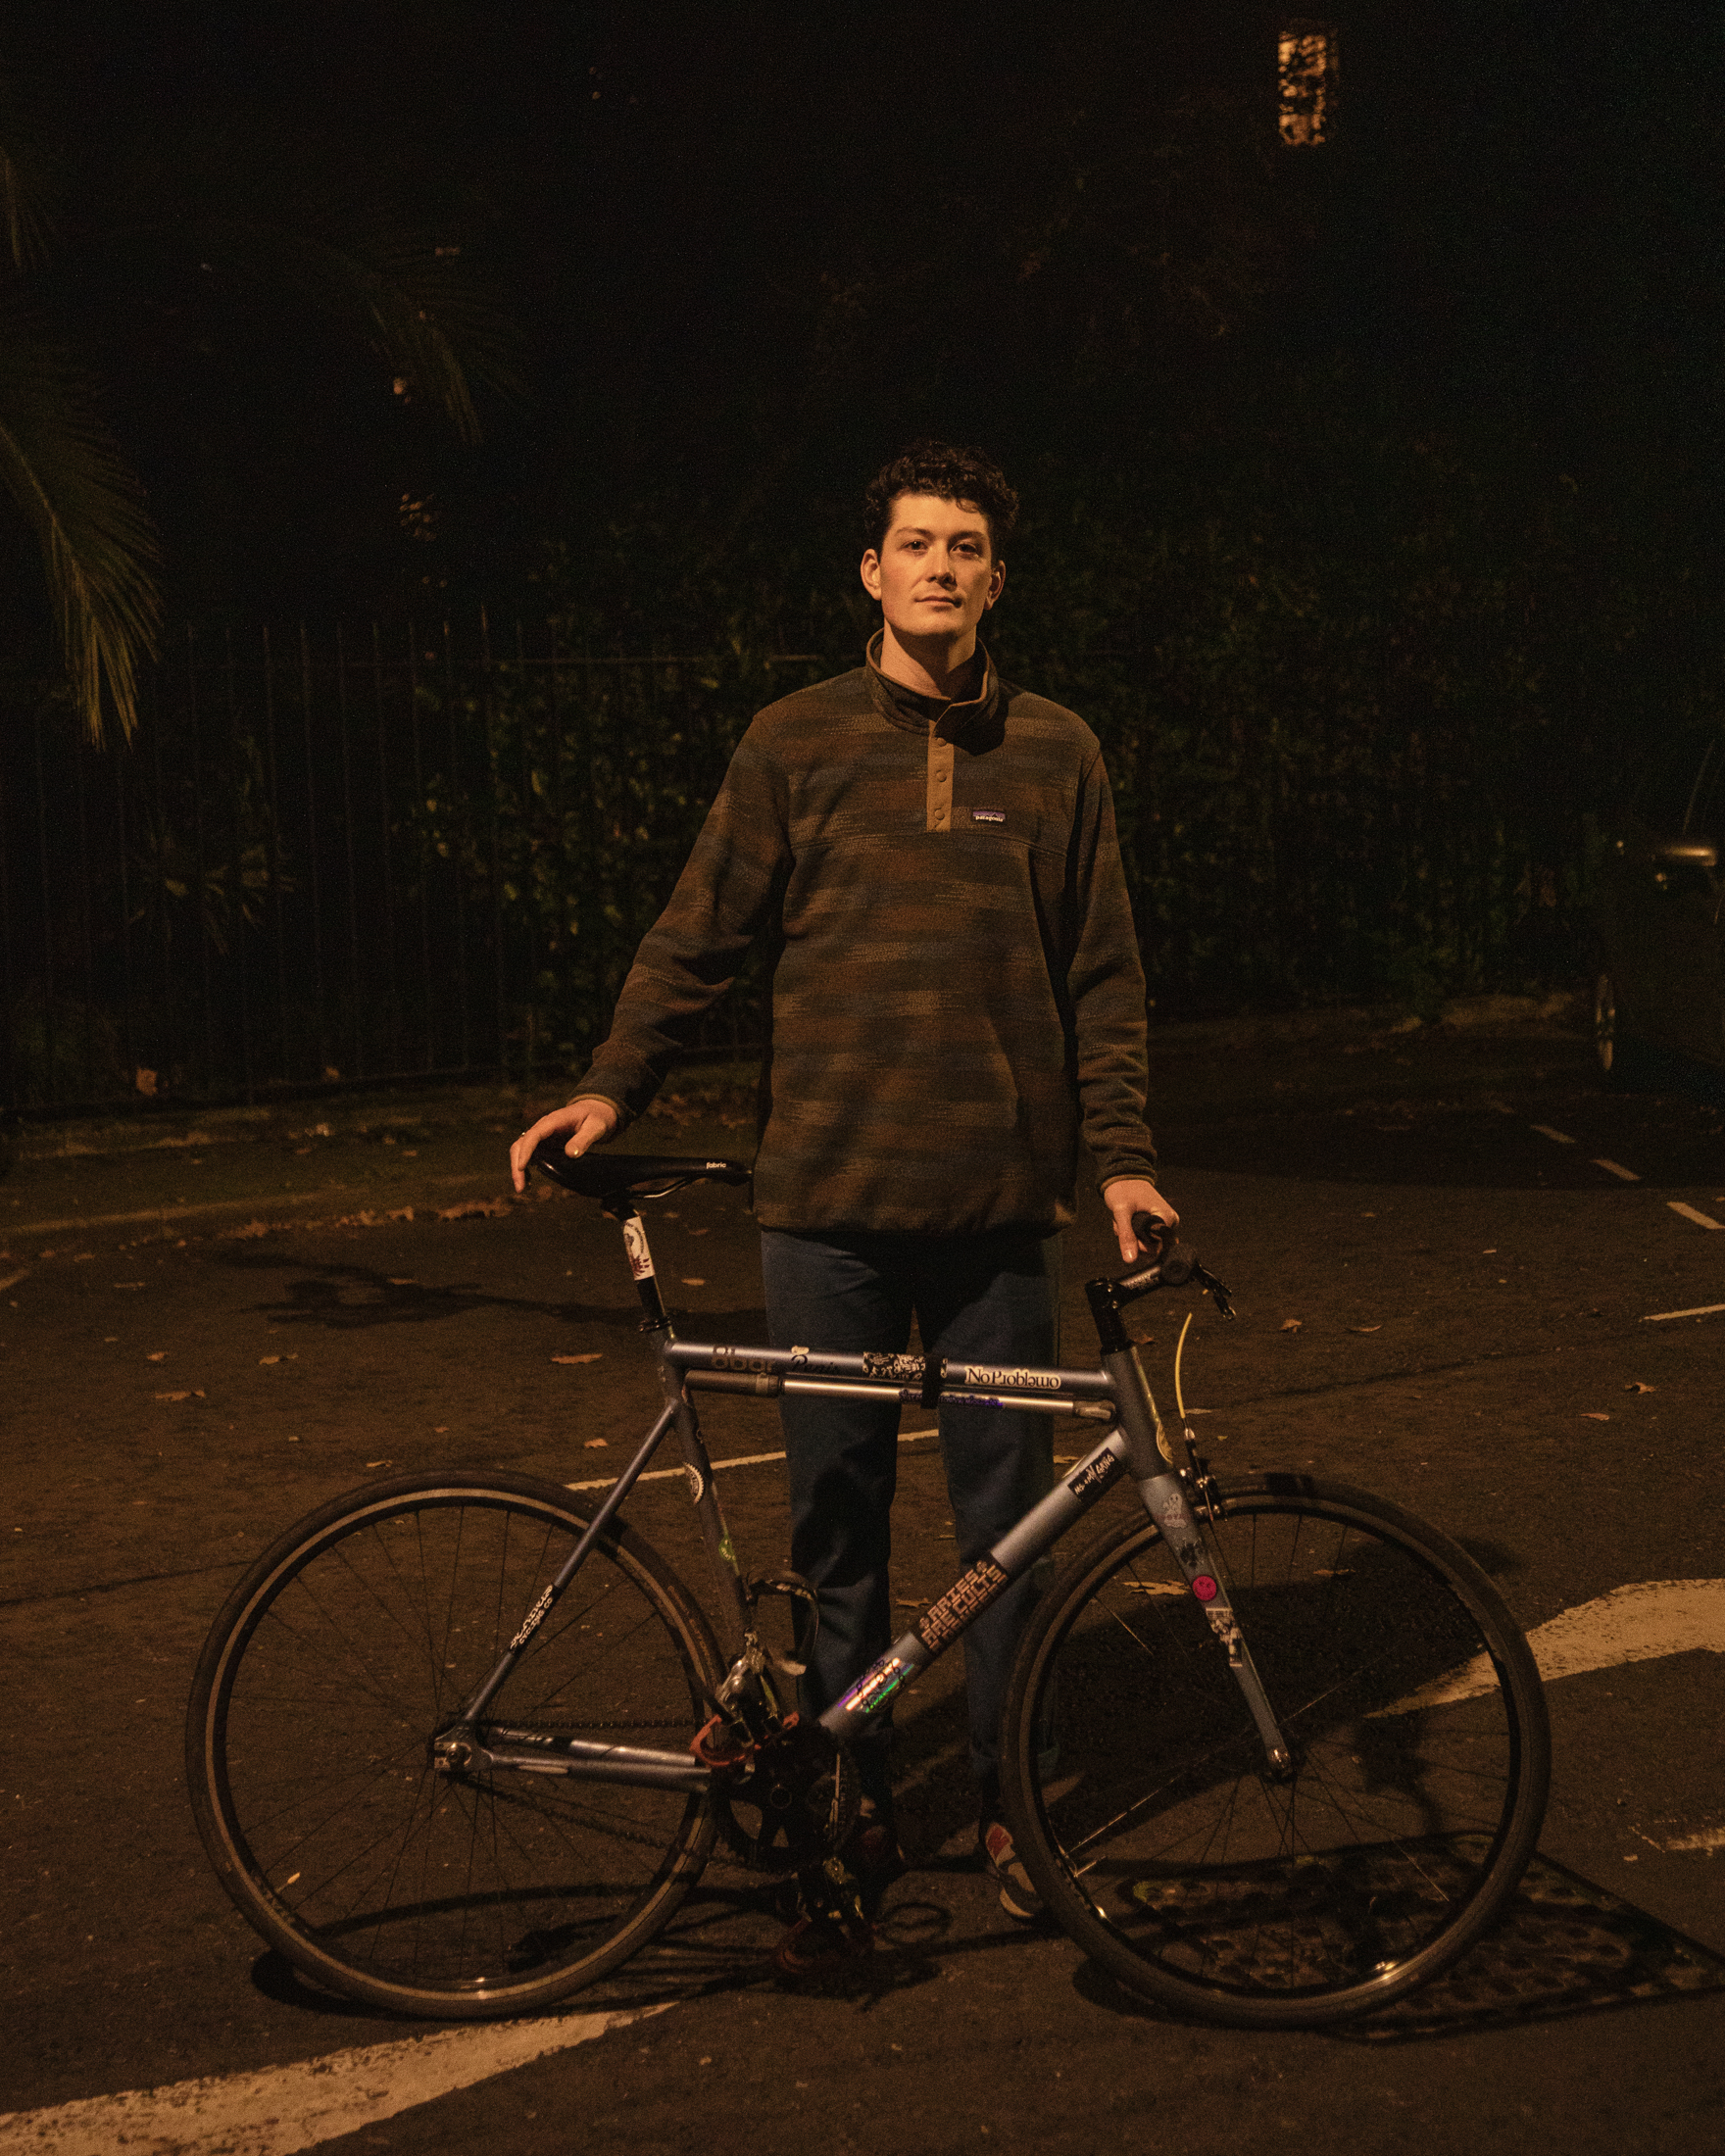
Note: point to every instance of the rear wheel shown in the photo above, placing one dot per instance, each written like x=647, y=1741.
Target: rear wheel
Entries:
x=308, y=1748
x=1420, y=1744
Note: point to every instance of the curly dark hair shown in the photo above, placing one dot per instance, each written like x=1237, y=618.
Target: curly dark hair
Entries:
x=951, y=475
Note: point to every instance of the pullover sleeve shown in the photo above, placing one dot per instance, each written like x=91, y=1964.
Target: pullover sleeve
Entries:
x=1105, y=987
x=726, y=893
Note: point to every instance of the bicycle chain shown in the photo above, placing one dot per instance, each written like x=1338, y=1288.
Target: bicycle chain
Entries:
x=669, y=1722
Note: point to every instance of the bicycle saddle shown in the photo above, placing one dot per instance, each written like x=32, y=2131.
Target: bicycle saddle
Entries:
x=639, y=1174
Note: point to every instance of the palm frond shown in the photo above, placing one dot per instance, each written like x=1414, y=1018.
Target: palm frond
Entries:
x=419, y=306
x=86, y=507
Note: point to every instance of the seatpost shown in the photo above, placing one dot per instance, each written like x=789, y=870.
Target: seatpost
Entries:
x=628, y=1220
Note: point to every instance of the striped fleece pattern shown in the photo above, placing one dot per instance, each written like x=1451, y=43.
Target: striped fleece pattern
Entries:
x=955, y=993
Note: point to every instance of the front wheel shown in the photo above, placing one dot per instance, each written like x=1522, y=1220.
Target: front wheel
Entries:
x=347, y=1649
x=1159, y=1837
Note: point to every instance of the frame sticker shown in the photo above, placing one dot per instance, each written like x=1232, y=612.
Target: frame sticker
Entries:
x=946, y=1619
x=877, y=1688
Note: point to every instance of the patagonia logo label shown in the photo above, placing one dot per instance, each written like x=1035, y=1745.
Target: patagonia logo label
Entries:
x=988, y=815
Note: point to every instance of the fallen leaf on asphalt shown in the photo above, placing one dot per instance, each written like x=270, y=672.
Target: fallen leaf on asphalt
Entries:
x=1366, y=1328
x=379, y=1463
x=688, y=1283
x=394, y=1283
x=480, y=1208
x=1589, y=1414
x=1290, y=1325
x=578, y=1358
x=264, y=1360
x=1636, y=1385
x=179, y=1395
x=596, y=1444
x=156, y=1354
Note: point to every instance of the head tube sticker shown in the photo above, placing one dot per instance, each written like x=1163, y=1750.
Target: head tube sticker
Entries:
x=1204, y=1588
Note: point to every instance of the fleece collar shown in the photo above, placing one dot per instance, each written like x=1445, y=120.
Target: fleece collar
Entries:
x=907, y=708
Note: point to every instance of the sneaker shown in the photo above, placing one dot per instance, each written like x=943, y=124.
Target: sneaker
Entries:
x=1001, y=1862
x=873, y=1858
x=823, y=1936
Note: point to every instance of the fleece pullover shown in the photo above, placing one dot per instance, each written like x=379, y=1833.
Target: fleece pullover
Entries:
x=954, y=991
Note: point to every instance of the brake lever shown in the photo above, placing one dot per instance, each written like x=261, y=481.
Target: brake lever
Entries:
x=1177, y=1264
x=1215, y=1289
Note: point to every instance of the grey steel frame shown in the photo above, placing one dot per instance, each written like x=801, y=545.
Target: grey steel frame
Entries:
x=1116, y=1398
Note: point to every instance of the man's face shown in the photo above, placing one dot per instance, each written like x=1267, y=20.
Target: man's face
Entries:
x=935, y=574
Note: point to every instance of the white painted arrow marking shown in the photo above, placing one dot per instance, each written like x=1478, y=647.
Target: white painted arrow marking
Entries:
x=286, y=2108
x=1631, y=1624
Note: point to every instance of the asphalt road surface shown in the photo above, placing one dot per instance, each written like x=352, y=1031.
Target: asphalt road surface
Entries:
x=1454, y=1255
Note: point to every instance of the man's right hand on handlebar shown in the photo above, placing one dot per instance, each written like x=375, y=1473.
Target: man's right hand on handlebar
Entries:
x=587, y=1122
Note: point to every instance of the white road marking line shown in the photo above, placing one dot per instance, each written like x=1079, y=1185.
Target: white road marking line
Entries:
x=741, y=1459
x=1709, y=1838
x=286, y=2108
x=1616, y=1167
x=1558, y=1137
x=1688, y=1212
x=1638, y=1623
x=1702, y=1310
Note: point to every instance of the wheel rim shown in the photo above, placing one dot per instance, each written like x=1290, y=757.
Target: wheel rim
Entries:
x=1192, y=1875
x=385, y=1878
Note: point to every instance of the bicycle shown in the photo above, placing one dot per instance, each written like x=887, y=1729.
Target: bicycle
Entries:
x=459, y=1744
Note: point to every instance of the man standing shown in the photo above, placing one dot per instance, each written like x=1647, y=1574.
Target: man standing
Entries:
x=956, y=1001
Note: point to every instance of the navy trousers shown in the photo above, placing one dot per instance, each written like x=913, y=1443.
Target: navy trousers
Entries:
x=992, y=1298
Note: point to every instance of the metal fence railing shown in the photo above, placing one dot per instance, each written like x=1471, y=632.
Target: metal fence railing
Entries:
x=406, y=850
x=409, y=850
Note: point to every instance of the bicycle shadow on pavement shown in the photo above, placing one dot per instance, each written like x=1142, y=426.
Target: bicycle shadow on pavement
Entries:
x=348, y=1298
x=1564, y=1947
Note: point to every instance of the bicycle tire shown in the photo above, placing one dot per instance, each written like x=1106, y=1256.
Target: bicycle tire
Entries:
x=308, y=1748
x=1156, y=1834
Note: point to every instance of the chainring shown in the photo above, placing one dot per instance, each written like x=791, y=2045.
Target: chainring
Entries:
x=801, y=1793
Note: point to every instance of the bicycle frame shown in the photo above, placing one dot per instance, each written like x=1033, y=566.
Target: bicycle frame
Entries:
x=1116, y=1399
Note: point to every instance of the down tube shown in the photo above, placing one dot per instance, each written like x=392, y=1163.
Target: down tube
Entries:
x=1010, y=1559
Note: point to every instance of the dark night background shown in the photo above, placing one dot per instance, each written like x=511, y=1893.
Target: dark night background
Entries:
x=1370, y=490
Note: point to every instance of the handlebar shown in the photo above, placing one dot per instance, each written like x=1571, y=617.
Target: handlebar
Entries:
x=1174, y=1265
x=1174, y=1260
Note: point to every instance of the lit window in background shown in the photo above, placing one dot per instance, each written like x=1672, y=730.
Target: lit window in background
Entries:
x=1306, y=69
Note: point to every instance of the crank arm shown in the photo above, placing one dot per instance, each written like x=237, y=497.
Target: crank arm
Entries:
x=528, y=1751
